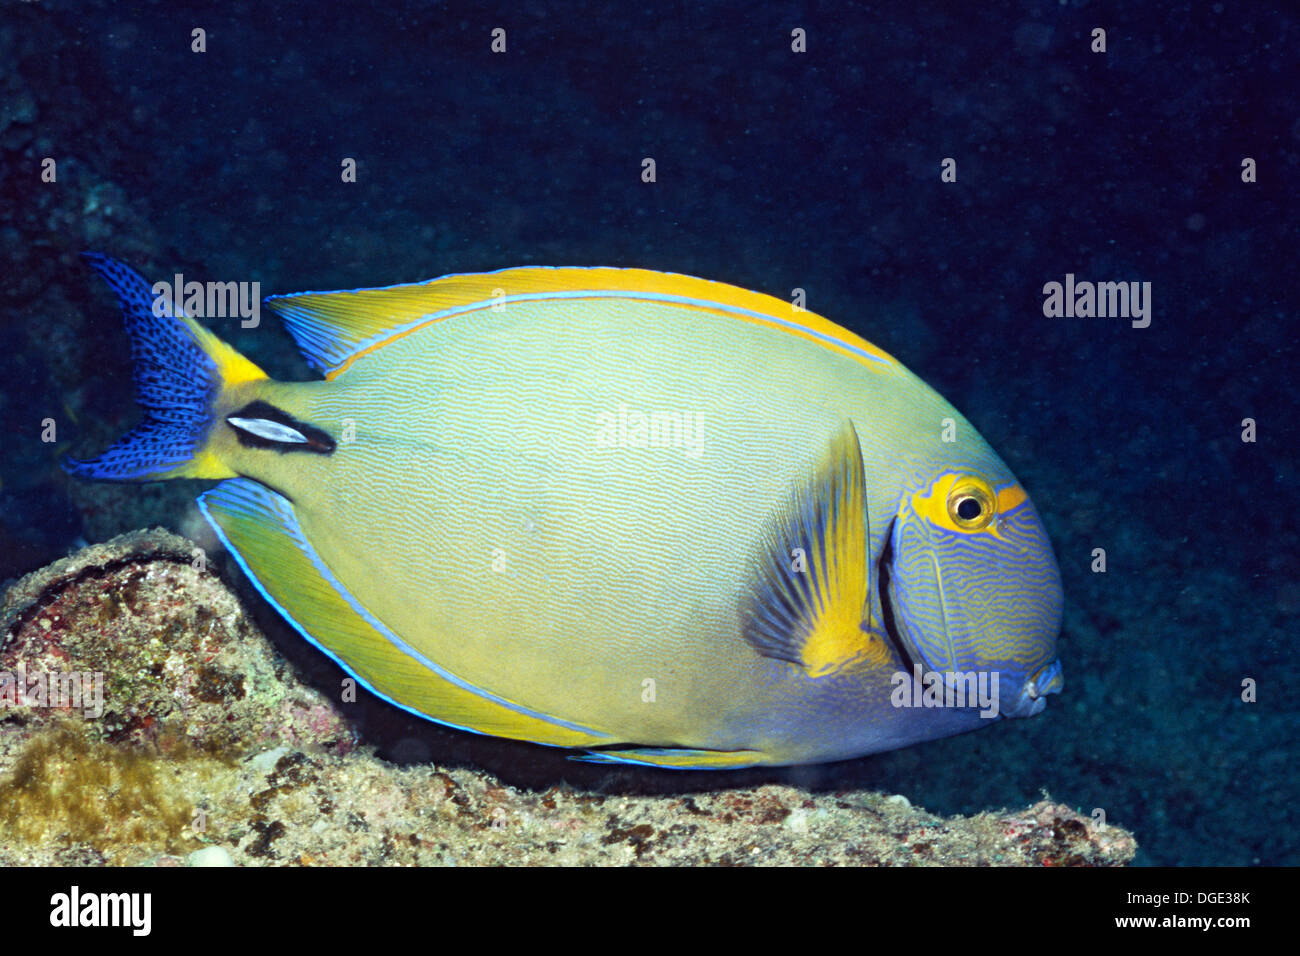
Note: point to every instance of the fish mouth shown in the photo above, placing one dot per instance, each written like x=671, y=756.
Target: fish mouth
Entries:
x=1032, y=698
x=1033, y=695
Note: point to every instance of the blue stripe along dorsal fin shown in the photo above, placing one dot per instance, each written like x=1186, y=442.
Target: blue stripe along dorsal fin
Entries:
x=809, y=601
x=261, y=530
x=334, y=328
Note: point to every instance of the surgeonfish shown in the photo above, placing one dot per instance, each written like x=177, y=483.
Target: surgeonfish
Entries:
x=661, y=519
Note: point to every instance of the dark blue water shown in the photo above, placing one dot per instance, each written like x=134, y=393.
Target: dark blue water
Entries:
x=774, y=170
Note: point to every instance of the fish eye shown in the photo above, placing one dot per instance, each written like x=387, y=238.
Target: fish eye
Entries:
x=971, y=504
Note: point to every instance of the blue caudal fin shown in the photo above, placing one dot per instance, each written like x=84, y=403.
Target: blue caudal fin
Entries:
x=179, y=370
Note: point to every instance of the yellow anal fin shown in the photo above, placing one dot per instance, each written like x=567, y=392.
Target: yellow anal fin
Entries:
x=811, y=589
x=262, y=532
x=679, y=759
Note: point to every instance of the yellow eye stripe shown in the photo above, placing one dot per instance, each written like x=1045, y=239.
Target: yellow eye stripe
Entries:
x=943, y=507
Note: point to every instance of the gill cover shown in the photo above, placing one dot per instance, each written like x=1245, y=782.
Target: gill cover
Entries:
x=973, y=583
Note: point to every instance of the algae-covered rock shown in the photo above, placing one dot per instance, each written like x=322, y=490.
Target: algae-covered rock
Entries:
x=138, y=640
x=206, y=748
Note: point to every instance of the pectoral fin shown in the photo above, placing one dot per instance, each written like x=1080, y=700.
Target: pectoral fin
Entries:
x=809, y=603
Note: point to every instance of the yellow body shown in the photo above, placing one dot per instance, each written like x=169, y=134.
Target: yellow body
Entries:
x=557, y=500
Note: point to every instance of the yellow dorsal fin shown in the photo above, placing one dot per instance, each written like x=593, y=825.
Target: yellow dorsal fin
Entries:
x=333, y=328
